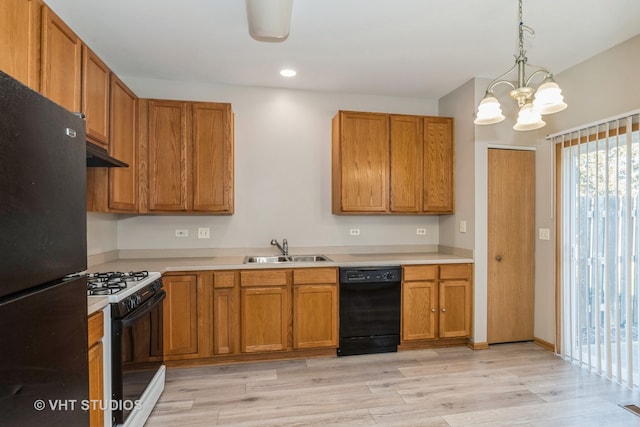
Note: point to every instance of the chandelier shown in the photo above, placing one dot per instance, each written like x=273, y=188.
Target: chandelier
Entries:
x=532, y=103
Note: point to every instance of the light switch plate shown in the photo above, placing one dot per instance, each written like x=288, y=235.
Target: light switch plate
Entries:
x=463, y=226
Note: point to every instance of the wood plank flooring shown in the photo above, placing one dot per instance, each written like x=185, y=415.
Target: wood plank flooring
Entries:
x=507, y=385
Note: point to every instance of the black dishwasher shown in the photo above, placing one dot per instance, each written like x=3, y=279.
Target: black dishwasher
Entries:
x=369, y=310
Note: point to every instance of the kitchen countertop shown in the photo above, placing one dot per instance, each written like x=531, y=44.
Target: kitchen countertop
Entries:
x=95, y=304
x=164, y=265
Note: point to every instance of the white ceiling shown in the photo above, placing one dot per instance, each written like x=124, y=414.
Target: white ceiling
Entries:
x=415, y=48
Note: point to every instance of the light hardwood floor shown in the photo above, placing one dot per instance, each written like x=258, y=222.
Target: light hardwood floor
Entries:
x=509, y=384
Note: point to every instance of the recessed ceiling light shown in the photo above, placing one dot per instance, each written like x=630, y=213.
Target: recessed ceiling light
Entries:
x=287, y=73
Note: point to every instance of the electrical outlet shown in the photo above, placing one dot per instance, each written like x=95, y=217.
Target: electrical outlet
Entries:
x=204, y=233
x=421, y=231
x=354, y=231
x=544, y=234
x=182, y=233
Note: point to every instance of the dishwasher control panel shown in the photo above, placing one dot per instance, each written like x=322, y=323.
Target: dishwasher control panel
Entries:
x=370, y=274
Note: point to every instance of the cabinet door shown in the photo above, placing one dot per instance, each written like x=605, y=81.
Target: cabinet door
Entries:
x=123, y=182
x=168, y=153
x=212, y=157
x=20, y=40
x=61, y=62
x=95, y=329
x=438, y=165
x=455, y=308
x=264, y=318
x=180, y=315
x=96, y=385
x=419, y=310
x=96, y=79
x=405, y=182
x=360, y=162
x=226, y=314
x=315, y=316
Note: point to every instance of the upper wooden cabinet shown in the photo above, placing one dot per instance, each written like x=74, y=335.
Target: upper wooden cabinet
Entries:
x=61, y=62
x=96, y=79
x=168, y=150
x=20, y=27
x=391, y=164
x=405, y=148
x=189, y=146
x=360, y=162
x=75, y=77
x=123, y=182
x=212, y=133
x=438, y=165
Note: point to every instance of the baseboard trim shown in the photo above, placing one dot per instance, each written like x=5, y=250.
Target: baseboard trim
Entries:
x=545, y=344
x=478, y=345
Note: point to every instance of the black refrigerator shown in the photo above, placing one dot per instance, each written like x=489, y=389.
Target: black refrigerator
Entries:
x=43, y=239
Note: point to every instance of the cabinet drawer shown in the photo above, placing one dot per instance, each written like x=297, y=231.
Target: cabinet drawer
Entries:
x=224, y=279
x=96, y=327
x=455, y=271
x=315, y=275
x=264, y=278
x=420, y=272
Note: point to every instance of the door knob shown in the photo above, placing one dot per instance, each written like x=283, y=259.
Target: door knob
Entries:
x=499, y=258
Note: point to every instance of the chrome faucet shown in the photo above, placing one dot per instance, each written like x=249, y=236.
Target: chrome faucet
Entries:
x=284, y=248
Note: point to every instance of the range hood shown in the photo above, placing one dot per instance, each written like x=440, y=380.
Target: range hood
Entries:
x=98, y=157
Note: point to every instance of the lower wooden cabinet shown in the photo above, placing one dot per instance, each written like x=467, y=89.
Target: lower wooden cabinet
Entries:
x=247, y=314
x=315, y=308
x=96, y=373
x=236, y=313
x=180, y=315
x=436, y=302
x=226, y=313
x=455, y=300
x=264, y=310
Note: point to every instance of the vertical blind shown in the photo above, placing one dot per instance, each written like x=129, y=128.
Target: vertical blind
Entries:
x=600, y=239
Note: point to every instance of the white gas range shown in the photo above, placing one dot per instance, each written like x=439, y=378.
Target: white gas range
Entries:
x=136, y=346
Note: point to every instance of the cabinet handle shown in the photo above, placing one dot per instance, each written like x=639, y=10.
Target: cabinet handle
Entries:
x=433, y=310
x=444, y=310
x=499, y=258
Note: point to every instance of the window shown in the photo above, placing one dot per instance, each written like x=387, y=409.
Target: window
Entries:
x=600, y=237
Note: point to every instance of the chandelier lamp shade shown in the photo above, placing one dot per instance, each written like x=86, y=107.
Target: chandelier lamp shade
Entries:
x=547, y=99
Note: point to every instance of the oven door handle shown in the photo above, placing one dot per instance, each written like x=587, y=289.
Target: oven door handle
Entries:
x=143, y=309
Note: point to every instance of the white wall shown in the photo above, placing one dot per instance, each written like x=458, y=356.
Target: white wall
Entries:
x=282, y=174
x=102, y=233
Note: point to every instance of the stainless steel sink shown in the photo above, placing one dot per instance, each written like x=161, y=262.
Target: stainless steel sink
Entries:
x=308, y=258
x=265, y=259
x=282, y=258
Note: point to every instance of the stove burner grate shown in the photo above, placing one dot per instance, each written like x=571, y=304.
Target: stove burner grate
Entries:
x=112, y=282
